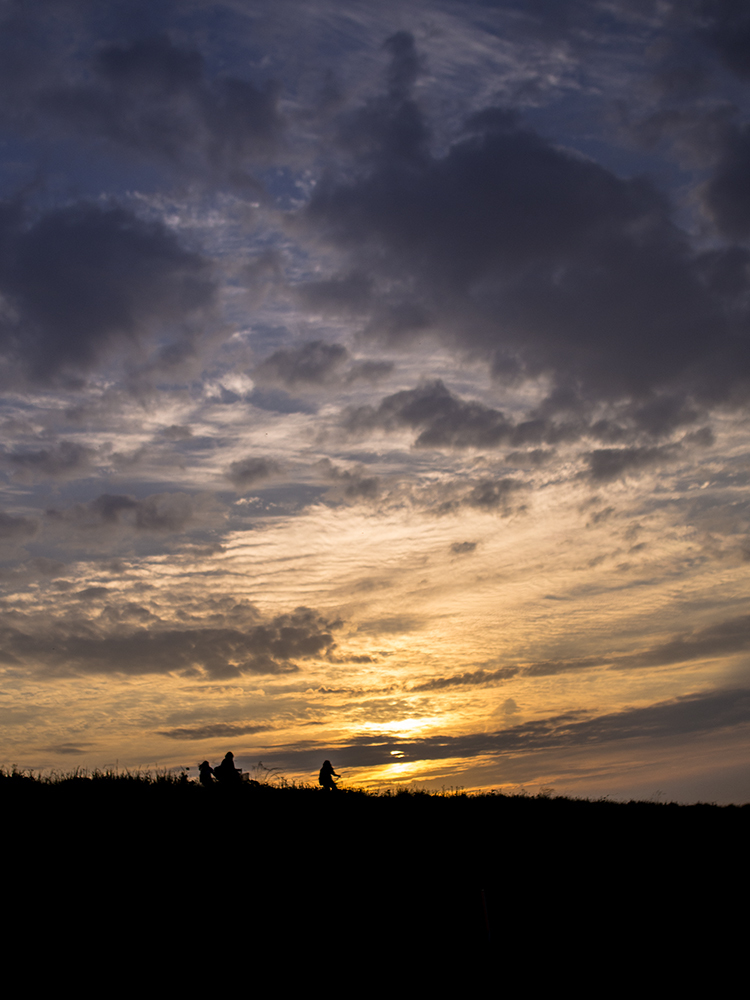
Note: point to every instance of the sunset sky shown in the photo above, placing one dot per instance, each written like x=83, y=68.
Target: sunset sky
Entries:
x=376, y=387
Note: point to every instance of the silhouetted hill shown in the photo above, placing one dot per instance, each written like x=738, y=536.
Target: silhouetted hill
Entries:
x=531, y=881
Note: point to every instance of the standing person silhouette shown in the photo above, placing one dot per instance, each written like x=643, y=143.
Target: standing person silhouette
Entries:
x=326, y=776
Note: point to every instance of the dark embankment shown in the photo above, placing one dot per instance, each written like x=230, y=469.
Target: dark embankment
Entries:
x=450, y=881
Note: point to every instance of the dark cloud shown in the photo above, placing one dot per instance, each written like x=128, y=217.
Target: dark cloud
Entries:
x=77, y=280
x=537, y=259
x=166, y=512
x=42, y=566
x=490, y=494
x=340, y=296
x=249, y=471
x=277, y=401
x=726, y=195
x=541, y=668
x=70, y=749
x=722, y=639
x=530, y=459
x=160, y=512
x=269, y=647
x=177, y=432
x=154, y=98
x=218, y=730
x=469, y=678
x=314, y=363
x=501, y=497
x=445, y=420
x=703, y=712
x=725, y=26
x=442, y=419
x=548, y=668
x=350, y=484
x=17, y=528
x=369, y=371
x=607, y=464
x=92, y=594
x=390, y=127
x=699, y=116
x=317, y=363
x=62, y=460
x=463, y=548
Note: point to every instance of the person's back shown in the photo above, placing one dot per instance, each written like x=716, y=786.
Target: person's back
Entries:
x=205, y=772
x=326, y=776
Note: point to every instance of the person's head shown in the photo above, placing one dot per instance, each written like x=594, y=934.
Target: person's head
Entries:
x=204, y=764
x=229, y=756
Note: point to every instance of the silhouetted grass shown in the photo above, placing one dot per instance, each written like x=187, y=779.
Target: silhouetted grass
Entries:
x=292, y=866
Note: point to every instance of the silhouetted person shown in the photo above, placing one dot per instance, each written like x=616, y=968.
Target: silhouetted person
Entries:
x=205, y=772
x=326, y=776
x=226, y=773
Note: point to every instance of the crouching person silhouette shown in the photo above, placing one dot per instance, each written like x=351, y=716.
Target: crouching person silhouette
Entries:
x=326, y=776
x=226, y=773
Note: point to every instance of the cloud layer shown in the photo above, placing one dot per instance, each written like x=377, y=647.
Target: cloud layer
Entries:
x=375, y=383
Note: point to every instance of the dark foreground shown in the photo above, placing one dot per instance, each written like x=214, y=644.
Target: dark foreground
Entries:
x=295, y=879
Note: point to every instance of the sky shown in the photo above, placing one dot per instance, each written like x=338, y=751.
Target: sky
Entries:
x=376, y=388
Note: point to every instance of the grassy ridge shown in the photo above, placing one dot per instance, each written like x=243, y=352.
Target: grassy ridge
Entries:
x=293, y=868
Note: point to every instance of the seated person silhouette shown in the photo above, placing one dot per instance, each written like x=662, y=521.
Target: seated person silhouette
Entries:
x=326, y=776
x=206, y=773
x=226, y=773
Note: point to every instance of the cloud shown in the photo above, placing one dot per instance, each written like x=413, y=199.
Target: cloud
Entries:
x=93, y=594
x=269, y=647
x=725, y=26
x=726, y=195
x=177, y=432
x=369, y=370
x=721, y=639
x=340, y=296
x=449, y=495
x=702, y=712
x=535, y=258
x=219, y=730
x=607, y=464
x=350, y=484
x=251, y=470
x=70, y=749
x=63, y=460
x=154, y=98
x=76, y=281
x=443, y=420
x=16, y=528
x=277, y=401
x=314, y=363
x=541, y=668
x=160, y=512
x=530, y=459
x=469, y=678
x=318, y=363
x=489, y=494
x=548, y=668
x=463, y=548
